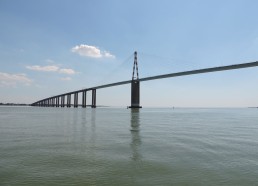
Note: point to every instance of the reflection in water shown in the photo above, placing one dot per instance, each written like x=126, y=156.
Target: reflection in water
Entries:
x=135, y=132
x=93, y=127
x=74, y=123
x=83, y=129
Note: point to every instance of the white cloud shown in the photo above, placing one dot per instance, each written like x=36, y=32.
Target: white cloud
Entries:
x=66, y=79
x=91, y=51
x=49, y=68
x=67, y=71
x=107, y=54
x=7, y=79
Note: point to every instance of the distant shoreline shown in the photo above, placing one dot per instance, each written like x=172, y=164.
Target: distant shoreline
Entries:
x=14, y=104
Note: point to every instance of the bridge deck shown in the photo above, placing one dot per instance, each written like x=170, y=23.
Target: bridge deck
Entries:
x=200, y=71
x=185, y=73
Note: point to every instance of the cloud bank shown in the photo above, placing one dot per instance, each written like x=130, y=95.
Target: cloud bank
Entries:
x=91, y=51
x=66, y=71
x=51, y=68
x=7, y=79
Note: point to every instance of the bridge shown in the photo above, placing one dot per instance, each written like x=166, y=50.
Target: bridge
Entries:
x=63, y=100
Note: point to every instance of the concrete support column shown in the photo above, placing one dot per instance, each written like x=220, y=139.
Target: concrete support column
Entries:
x=52, y=102
x=57, y=102
x=84, y=96
x=69, y=100
x=62, y=101
x=93, y=98
x=61, y=104
x=75, y=103
x=135, y=94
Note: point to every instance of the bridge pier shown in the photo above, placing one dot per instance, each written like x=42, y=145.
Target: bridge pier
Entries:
x=57, y=102
x=75, y=104
x=135, y=85
x=84, y=96
x=135, y=94
x=62, y=101
x=93, y=105
x=52, y=102
x=68, y=100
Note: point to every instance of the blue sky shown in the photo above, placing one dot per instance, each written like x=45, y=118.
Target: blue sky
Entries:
x=50, y=47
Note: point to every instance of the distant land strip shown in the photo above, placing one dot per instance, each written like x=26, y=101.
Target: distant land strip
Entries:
x=14, y=104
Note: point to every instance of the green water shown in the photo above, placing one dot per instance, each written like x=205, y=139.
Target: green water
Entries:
x=117, y=146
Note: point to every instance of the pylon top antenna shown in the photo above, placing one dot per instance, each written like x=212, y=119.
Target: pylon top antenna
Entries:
x=135, y=66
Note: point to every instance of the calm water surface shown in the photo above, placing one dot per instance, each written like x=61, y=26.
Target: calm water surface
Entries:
x=117, y=146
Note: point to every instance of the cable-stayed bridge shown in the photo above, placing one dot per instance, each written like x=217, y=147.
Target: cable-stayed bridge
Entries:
x=64, y=100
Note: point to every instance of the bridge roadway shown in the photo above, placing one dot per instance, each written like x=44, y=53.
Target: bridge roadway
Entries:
x=185, y=73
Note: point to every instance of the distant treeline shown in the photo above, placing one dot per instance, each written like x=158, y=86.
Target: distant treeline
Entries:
x=14, y=104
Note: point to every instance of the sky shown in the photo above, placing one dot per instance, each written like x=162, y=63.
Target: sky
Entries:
x=49, y=47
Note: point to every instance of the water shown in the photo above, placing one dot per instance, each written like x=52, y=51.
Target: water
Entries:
x=117, y=146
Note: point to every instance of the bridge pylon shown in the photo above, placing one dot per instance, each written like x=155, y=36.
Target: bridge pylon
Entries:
x=135, y=85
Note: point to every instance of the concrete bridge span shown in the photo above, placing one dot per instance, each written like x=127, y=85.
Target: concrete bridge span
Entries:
x=63, y=100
